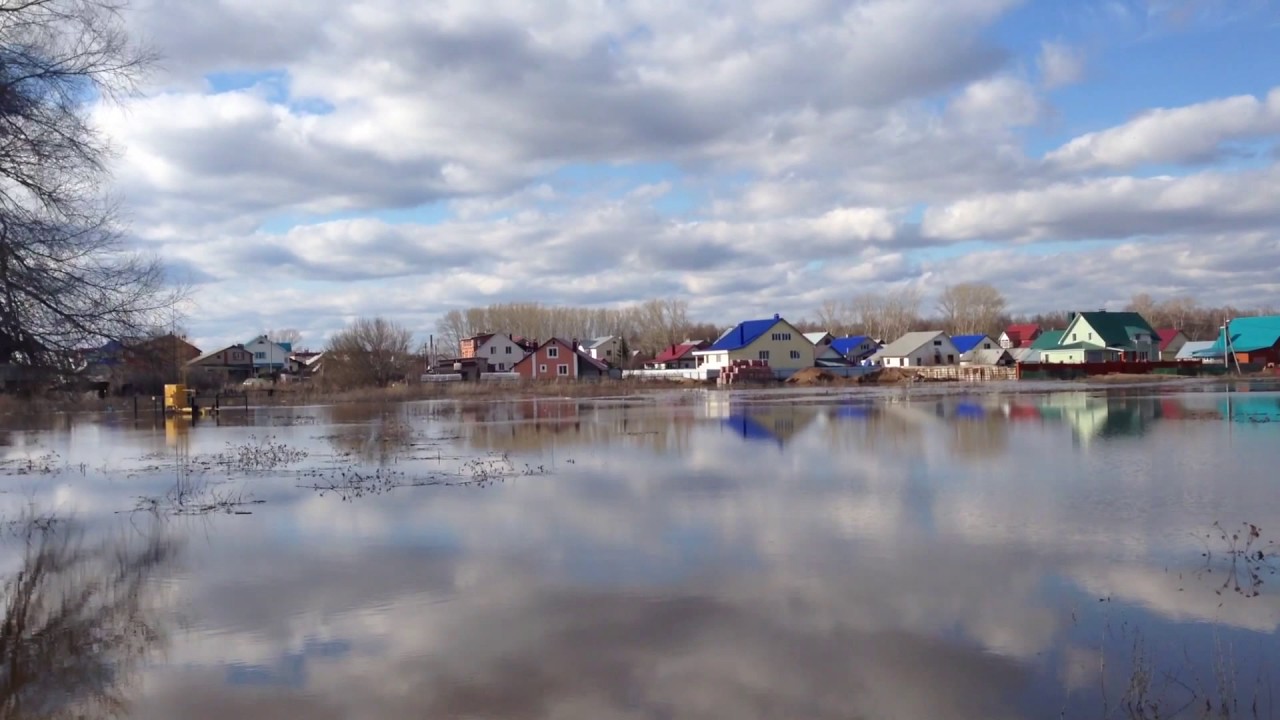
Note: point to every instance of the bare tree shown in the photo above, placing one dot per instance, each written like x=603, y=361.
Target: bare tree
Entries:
x=67, y=280
x=900, y=311
x=291, y=336
x=78, y=621
x=833, y=316
x=971, y=308
x=369, y=352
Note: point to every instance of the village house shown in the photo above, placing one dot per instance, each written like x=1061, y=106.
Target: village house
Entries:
x=824, y=355
x=1020, y=335
x=856, y=348
x=1190, y=351
x=677, y=357
x=1171, y=342
x=269, y=357
x=981, y=350
x=558, y=359
x=231, y=364
x=773, y=341
x=918, y=349
x=1104, y=336
x=499, y=351
x=607, y=349
x=1254, y=340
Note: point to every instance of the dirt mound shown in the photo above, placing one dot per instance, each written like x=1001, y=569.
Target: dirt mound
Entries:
x=812, y=376
x=887, y=376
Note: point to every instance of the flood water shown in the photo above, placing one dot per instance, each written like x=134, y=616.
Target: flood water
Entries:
x=677, y=555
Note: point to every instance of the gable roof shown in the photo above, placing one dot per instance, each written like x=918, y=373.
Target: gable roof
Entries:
x=1116, y=329
x=1022, y=334
x=1168, y=335
x=909, y=343
x=965, y=343
x=583, y=356
x=816, y=337
x=675, y=352
x=211, y=353
x=597, y=342
x=989, y=356
x=846, y=345
x=1248, y=334
x=1191, y=350
x=1048, y=340
x=744, y=334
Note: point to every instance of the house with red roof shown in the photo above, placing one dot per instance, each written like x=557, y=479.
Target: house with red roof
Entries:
x=1171, y=342
x=558, y=359
x=1020, y=336
x=677, y=357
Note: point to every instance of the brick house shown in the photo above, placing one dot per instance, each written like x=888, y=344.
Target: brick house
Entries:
x=558, y=359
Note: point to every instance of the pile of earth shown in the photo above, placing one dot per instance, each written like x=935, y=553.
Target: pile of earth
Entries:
x=887, y=376
x=813, y=376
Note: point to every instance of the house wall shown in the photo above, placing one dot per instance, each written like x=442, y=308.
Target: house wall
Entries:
x=1081, y=331
x=545, y=362
x=1005, y=341
x=608, y=352
x=501, y=352
x=938, y=351
x=1170, y=353
x=715, y=360
x=266, y=354
x=795, y=353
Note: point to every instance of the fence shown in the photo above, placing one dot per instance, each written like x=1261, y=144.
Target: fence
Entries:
x=966, y=373
x=683, y=374
x=1073, y=371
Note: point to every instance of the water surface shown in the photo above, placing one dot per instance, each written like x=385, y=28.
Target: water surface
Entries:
x=677, y=555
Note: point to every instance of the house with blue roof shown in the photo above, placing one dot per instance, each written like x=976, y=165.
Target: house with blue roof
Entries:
x=855, y=348
x=981, y=350
x=1254, y=340
x=773, y=341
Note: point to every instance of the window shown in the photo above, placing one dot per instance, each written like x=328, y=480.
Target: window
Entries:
x=553, y=352
x=986, y=346
x=779, y=337
x=608, y=353
x=764, y=354
x=260, y=356
x=1090, y=336
x=493, y=350
x=562, y=369
x=1073, y=337
x=795, y=354
x=508, y=349
x=937, y=343
x=542, y=368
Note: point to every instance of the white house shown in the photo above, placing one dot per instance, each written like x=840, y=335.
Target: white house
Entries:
x=605, y=349
x=919, y=349
x=268, y=357
x=499, y=350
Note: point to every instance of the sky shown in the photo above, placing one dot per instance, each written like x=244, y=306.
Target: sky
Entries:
x=301, y=163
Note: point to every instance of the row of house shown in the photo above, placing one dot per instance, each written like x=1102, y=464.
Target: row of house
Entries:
x=123, y=366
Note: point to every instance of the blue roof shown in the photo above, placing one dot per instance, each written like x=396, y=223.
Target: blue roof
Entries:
x=749, y=428
x=744, y=334
x=846, y=345
x=965, y=343
x=1247, y=335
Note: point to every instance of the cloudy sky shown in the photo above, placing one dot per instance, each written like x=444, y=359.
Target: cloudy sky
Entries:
x=304, y=162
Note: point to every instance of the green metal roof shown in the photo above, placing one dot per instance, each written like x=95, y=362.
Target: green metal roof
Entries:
x=1117, y=329
x=1247, y=335
x=1048, y=340
x=1077, y=346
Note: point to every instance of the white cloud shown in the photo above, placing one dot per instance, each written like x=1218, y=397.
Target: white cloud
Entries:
x=1173, y=135
x=1060, y=65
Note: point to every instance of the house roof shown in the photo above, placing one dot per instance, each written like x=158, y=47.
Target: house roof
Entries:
x=1025, y=355
x=597, y=342
x=1048, y=340
x=744, y=334
x=675, y=352
x=1248, y=334
x=1117, y=329
x=1022, y=334
x=846, y=345
x=816, y=337
x=600, y=365
x=1192, y=347
x=1168, y=335
x=965, y=343
x=909, y=343
x=211, y=353
x=479, y=338
x=989, y=356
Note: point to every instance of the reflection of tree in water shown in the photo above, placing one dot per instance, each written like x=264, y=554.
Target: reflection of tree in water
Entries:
x=77, y=622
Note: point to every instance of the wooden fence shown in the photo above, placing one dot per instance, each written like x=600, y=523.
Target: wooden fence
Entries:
x=1072, y=371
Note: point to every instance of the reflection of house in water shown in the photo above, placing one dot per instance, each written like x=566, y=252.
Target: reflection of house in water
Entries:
x=1251, y=407
x=770, y=423
x=535, y=425
x=1092, y=417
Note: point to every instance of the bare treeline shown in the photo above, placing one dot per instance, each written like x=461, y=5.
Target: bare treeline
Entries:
x=369, y=352
x=647, y=327
x=979, y=308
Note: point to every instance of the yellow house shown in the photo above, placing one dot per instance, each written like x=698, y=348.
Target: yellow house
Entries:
x=774, y=341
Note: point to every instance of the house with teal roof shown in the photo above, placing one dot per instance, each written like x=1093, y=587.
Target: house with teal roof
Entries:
x=1254, y=340
x=1105, y=336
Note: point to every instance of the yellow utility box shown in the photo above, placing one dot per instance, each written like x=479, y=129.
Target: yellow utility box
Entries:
x=176, y=399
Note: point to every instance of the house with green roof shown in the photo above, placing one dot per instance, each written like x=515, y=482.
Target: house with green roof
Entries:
x=1105, y=336
x=1048, y=340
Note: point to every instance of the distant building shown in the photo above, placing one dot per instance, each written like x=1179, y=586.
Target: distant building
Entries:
x=1254, y=340
x=1104, y=336
x=1171, y=342
x=606, y=349
x=499, y=351
x=269, y=357
x=773, y=340
x=231, y=364
x=1020, y=335
x=919, y=349
x=856, y=348
x=558, y=359
x=677, y=357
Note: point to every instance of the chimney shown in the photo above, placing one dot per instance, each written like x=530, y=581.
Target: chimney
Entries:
x=776, y=316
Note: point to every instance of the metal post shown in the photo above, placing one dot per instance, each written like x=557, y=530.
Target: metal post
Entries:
x=135, y=407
